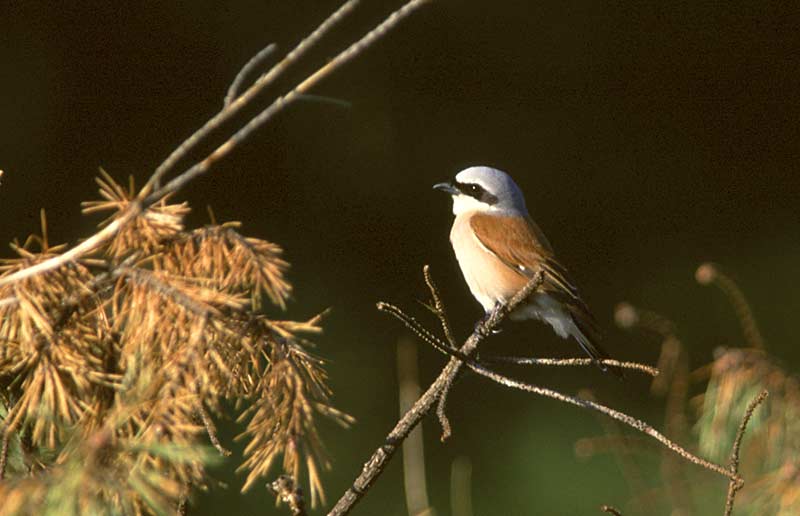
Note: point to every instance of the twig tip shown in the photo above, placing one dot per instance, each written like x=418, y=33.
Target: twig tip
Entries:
x=625, y=315
x=706, y=273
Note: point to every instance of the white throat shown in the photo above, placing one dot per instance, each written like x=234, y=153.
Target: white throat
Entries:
x=465, y=203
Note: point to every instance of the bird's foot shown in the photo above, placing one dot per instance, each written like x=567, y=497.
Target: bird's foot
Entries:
x=480, y=326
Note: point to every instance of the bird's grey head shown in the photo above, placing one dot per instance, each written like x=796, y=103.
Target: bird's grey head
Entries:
x=484, y=189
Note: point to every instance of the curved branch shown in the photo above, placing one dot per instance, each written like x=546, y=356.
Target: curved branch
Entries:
x=634, y=423
x=235, y=88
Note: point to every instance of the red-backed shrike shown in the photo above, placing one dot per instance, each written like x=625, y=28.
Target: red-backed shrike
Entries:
x=499, y=249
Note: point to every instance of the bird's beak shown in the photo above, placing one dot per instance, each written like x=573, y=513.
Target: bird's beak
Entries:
x=447, y=188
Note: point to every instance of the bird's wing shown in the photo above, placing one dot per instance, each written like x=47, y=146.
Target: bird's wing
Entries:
x=519, y=244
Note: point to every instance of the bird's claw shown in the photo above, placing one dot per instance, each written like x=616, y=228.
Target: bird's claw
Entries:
x=480, y=326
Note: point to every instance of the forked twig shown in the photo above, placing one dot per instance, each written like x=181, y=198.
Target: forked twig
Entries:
x=415, y=326
x=735, y=486
x=438, y=306
x=381, y=457
x=245, y=98
x=439, y=310
x=463, y=356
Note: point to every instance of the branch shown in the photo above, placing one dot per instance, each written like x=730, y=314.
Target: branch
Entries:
x=652, y=371
x=634, y=423
x=153, y=191
x=437, y=307
x=415, y=326
x=244, y=99
x=734, y=486
x=256, y=60
x=381, y=457
x=709, y=273
x=211, y=430
x=463, y=356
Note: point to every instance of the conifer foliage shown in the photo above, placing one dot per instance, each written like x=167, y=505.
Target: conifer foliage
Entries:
x=113, y=367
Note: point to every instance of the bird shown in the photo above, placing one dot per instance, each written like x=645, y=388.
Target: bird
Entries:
x=499, y=250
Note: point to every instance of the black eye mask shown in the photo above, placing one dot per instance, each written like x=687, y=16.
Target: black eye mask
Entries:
x=477, y=191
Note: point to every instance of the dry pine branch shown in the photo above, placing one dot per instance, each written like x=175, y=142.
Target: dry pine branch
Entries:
x=110, y=404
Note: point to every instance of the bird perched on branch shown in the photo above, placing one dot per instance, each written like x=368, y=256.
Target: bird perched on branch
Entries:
x=499, y=249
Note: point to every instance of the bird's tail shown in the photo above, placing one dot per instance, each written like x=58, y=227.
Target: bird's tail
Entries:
x=591, y=348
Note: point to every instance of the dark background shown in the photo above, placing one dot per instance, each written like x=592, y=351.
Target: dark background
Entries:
x=648, y=137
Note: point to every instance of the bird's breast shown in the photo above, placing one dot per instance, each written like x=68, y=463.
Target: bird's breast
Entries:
x=489, y=279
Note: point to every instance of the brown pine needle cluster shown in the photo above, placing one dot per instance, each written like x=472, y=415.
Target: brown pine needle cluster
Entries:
x=111, y=366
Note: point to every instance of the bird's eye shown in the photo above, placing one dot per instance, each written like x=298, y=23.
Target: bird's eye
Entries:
x=474, y=190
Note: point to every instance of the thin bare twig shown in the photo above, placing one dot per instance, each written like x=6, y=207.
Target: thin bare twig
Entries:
x=615, y=414
x=709, y=273
x=86, y=247
x=414, y=325
x=438, y=307
x=211, y=430
x=441, y=410
x=439, y=310
x=610, y=510
x=153, y=191
x=652, y=371
x=381, y=457
x=281, y=102
x=245, y=98
x=247, y=69
x=735, y=485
